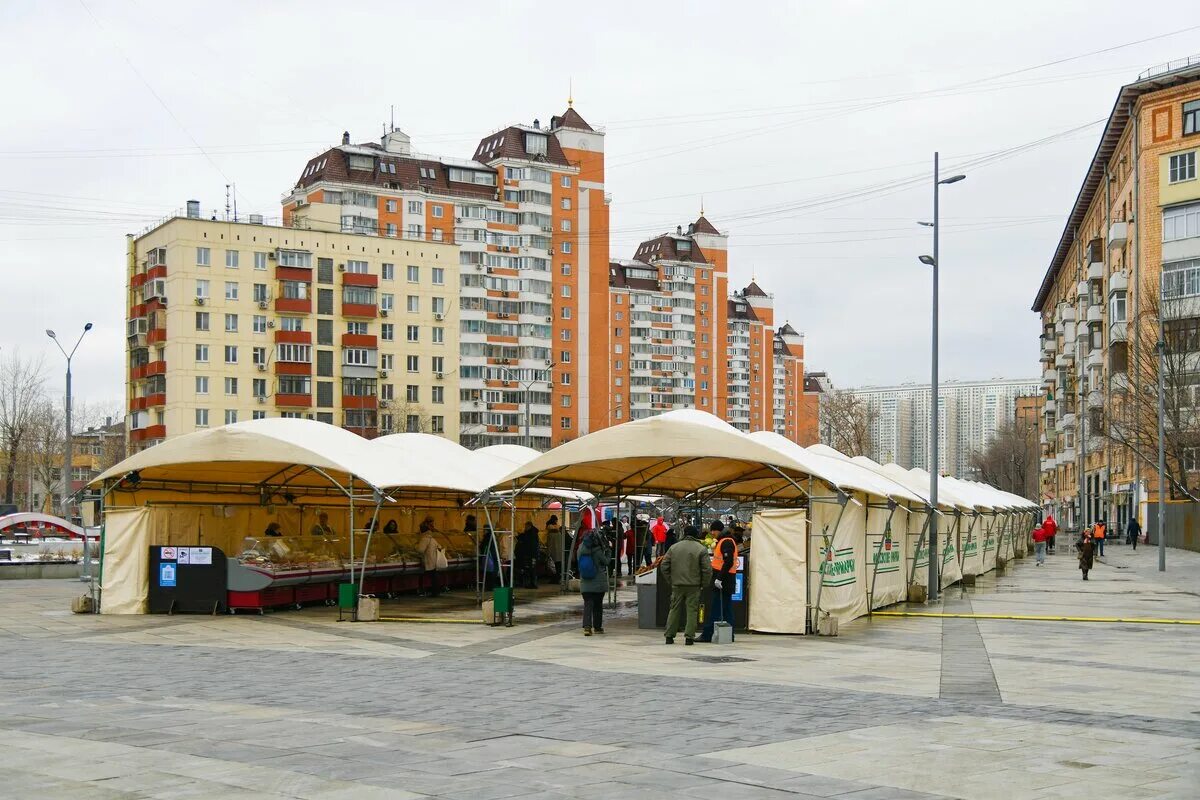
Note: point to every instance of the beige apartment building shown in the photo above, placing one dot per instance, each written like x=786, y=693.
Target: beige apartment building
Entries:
x=231, y=321
x=1131, y=239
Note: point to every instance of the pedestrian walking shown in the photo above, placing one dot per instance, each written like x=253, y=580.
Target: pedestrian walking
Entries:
x=1087, y=550
x=1099, y=532
x=1133, y=531
x=1040, y=536
x=593, y=559
x=686, y=568
x=724, y=582
x=1051, y=531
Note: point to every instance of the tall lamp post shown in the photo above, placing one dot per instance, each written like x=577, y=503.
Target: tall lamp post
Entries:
x=66, y=470
x=932, y=261
x=526, y=385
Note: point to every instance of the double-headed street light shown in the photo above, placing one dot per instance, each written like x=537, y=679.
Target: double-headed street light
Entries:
x=932, y=261
x=66, y=469
x=527, y=385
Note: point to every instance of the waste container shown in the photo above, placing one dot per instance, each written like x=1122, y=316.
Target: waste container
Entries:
x=647, y=595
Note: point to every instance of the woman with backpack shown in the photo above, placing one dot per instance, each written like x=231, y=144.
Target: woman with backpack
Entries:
x=593, y=560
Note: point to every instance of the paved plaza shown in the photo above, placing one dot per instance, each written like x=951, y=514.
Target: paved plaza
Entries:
x=298, y=705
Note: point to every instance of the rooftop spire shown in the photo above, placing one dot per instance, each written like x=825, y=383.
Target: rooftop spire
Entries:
x=570, y=92
x=702, y=205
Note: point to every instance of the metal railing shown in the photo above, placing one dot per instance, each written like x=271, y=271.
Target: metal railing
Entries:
x=1170, y=66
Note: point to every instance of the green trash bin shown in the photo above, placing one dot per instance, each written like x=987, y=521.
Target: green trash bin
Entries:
x=347, y=596
x=502, y=599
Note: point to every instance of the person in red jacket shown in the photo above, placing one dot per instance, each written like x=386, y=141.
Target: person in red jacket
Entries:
x=1040, y=537
x=1051, y=531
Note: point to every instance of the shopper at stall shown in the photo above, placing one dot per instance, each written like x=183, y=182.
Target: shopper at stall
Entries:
x=322, y=527
x=686, y=568
x=593, y=559
x=431, y=563
x=391, y=527
x=273, y=529
x=724, y=582
x=659, y=532
x=555, y=543
x=526, y=555
x=630, y=547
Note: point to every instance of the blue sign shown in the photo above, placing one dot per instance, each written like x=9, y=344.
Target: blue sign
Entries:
x=737, y=592
x=166, y=574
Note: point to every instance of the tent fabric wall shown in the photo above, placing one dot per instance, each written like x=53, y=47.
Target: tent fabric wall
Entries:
x=951, y=572
x=917, y=549
x=128, y=534
x=970, y=543
x=841, y=584
x=778, y=575
x=887, y=580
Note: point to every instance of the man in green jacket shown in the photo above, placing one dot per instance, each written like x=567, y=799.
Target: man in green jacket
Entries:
x=686, y=568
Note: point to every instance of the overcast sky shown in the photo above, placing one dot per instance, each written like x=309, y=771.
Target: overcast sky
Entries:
x=797, y=123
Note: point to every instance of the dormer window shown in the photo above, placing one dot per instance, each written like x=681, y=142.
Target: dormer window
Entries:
x=535, y=144
x=683, y=246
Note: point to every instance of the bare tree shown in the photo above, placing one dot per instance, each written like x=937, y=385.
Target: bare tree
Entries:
x=411, y=418
x=846, y=421
x=22, y=391
x=43, y=445
x=1010, y=460
x=1132, y=418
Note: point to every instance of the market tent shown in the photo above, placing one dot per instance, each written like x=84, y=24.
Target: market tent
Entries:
x=422, y=461
x=677, y=453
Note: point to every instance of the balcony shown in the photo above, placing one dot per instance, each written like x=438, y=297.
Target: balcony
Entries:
x=149, y=432
x=360, y=310
x=1065, y=422
x=293, y=400
x=360, y=279
x=1067, y=456
x=1095, y=359
x=1082, y=289
x=1095, y=314
x=1049, y=464
x=1118, y=282
x=155, y=368
x=1118, y=235
x=1049, y=345
x=1095, y=271
x=1119, y=381
x=293, y=368
x=293, y=337
x=1118, y=332
x=360, y=340
x=1049, y=377
x=158, y=399
x=1095, y=399
x=1068, y=314
x=1064, y=360
x=156, y=336
x=293, y=305
x=1048, y=407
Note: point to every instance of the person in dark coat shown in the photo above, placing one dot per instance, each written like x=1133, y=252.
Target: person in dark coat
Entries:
x=1133, y=532
x=1087, y=552
x=595, y=548
x=526, y=555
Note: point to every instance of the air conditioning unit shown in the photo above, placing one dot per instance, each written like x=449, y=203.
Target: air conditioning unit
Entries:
x=549, y=363
x=301, y=202
x=383, y=312
x=262, y=303
x=341, y=267
x=383, y=373
x=458, y=219
x=200, y=301
x=439, y=375
x=270, y=323
x=439, y=317
x=261, y=399
x=271, y=255
x=489, y=270
x=262, y=367
x=475, y=403
x=549, y=319
x=479, y=268
x=384, y=404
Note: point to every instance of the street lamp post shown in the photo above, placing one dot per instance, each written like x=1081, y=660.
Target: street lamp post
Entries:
x=66, y=469
x=526, y=385
x=932, y=261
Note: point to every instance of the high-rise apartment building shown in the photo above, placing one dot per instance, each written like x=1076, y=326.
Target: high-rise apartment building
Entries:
x=1131, y=246
x=529, y=215
x=969, y=413
x=230, y=321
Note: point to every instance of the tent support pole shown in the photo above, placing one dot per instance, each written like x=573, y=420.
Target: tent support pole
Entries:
x=362, y=573
x=912, y=573
x=616, y=554
x=843, y=499
x=512, y=543
x=352, y=538
x=887, y=531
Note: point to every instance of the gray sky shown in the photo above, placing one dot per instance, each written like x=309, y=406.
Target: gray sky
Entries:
x=797, y=123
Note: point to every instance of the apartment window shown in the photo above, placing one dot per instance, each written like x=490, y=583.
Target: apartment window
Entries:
x=1117, y=308
x=324, y=394
x=201, y=320
x=231, y=354
x=566, y=247
x=387, y=332
x=565, y=181
x=413, y=423
x=564, y=357
x=414, y=304
x=356, y=267
x=437, y=211
x=390, y=205
x=231, y=259
x=293, y=353
x=201, y=384
x=201, y=354
x=618, y=349
x=356, y=357
x=439, y=276
x=565, y=269
x=438, y=305
x=387, y=391
x=260, y=260
x=389, y=272
x=358, y=295
x=1191, y=117
x=565, y=226
x=295, y=384
x=295, y=258
x=618, y=332
x=201, y=417
x=1182, y=167
x=203, y=257
x=293, y=324
x=325, y=363
x=565, y=401
x=356, y=328
x=230, y=416
x=324, y=270
x=565, y=379
x=386, y=361
x=324, y=299
x=437, y=395
x=231, y=290
x=412, y=393
x=414, y=332
x=566, y=290
x=438, y=334
x=415, y=207
x=414, y=364
x=565, y=423
x=231, y=323
x=260, y=293
x=391, y=230
x=202, y=289
x=437, y=424
x=258, y=356
x=566, y=204
x=325, y=331
x=231, y=386
x=387, y=302
x=1181, y=222
x=566, y=312
x=414, y=274
x=565, y=335
x=260, y=324
x=438, y=363
x=258, y=415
